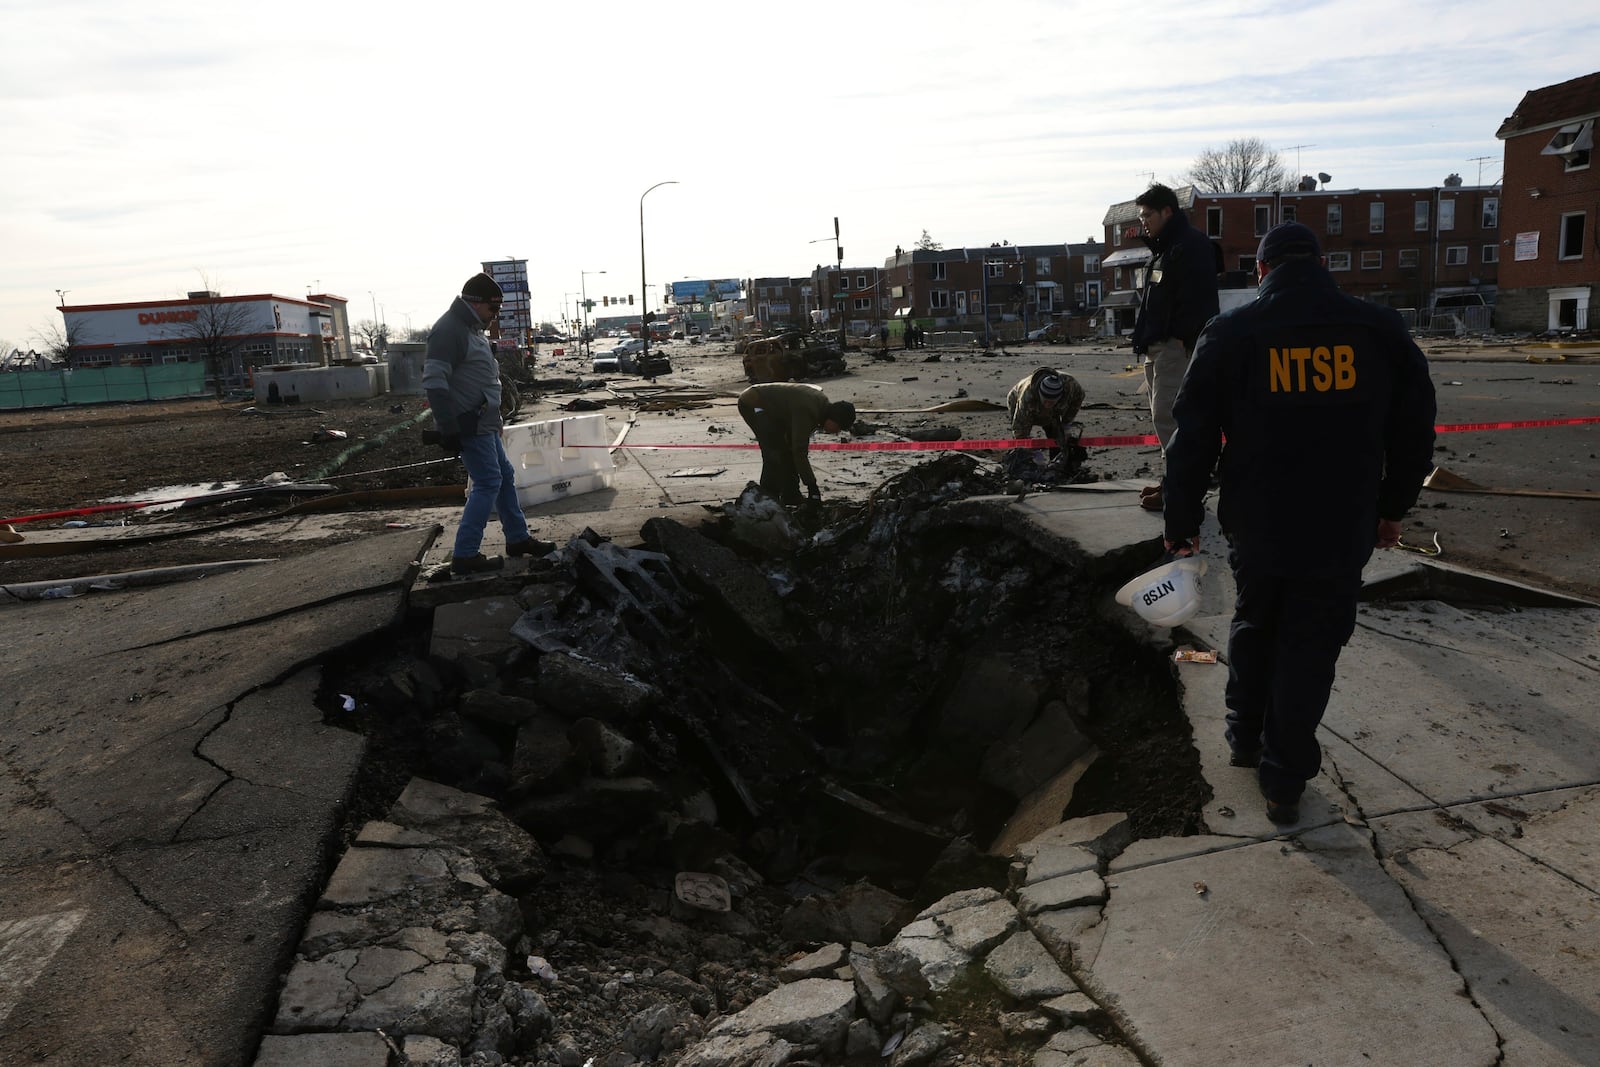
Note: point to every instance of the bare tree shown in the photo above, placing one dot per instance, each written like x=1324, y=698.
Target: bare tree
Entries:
x=58, y=341
x=1244, y=165
x=376, y=334
x=420, y=333
x=218, y=328
x=927, y=244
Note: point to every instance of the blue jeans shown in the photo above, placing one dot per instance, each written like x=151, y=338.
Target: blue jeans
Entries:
x=494, y=488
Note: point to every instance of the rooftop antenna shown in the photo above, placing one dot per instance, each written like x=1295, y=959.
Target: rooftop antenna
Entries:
x=1296, y=148
x=1479, y=160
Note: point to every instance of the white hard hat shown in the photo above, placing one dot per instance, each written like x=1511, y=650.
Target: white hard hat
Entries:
x=1168, y=595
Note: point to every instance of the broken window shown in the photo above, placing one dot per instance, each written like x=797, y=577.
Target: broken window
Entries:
x=1571, y=246
x=1491, y=213
x=939, y=299
x=1573, y=143
x=1042, y=267
x=1491, y=253
x=1455, y=256
x=936, y=272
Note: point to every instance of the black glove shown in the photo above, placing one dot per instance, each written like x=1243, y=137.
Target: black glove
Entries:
x=449, y=442
x=814, y=493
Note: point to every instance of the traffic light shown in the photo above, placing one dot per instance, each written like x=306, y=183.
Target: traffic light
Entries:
x=630, y=300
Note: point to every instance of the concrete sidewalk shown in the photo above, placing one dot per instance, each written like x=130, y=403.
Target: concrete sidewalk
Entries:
x=1440, y=899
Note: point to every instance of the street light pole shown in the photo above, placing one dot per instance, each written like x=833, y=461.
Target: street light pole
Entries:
x=644, y=294
x=583, y=286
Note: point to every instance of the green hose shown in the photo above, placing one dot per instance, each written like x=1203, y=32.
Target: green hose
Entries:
x=372, y=442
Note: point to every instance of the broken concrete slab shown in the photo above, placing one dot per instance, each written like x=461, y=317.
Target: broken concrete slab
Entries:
x=1035, y=752
x=319, y=1050
x=578, y=687
x=1042, y=810
x=480, y=628
x=812, y=1011
x=1333, y=918
x=1025, y=970
x=1063, y=928
x=503, y=851
x=1515, y=926
x=609, y=753
x=1064, y=891
x=822, y=963
x=738, y=589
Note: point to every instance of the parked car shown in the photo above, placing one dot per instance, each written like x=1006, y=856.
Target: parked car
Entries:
x=628, y=347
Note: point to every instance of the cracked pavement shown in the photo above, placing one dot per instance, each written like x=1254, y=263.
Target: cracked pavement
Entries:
x=167, y=787
x=1439, y=901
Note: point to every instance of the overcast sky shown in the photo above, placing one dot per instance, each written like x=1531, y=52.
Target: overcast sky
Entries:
x=376, y=152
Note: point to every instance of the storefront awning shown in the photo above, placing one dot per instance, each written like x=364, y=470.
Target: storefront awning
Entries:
x=1045, y=285
x=1127, y=257
x=1122, y=298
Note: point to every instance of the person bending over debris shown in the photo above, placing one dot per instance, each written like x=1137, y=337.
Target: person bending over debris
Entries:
x=462, y=380
x=1327, y=410
x=1047, y=399
x=783, y=416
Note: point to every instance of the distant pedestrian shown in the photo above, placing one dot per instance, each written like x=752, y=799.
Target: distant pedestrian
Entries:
x=1321, y=409
x=462, y=379
x=1179, y=297
x=783, y=416
x=908, y=334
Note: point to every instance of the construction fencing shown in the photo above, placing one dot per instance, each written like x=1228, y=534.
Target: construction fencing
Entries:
x=100, y=385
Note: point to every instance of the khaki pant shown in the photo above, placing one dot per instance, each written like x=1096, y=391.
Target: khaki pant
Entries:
x=1164, y=366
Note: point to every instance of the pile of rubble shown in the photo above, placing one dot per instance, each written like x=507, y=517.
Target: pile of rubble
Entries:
x=764, y=793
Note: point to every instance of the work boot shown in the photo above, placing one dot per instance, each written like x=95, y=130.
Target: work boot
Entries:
x=1242, y=758
x=1283, y=814
x=475, y=564
x=1150, y=498
x=530, y=546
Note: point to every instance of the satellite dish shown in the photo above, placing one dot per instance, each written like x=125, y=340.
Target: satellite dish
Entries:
x=1324, y=177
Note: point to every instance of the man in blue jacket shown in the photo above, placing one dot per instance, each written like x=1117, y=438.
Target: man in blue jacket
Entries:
x=1327, y=410
x=462, y=380
x=1179, y=297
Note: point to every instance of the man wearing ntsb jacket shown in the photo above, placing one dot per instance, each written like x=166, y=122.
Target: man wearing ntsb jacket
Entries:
x=1327, y=410
x=1179, y=297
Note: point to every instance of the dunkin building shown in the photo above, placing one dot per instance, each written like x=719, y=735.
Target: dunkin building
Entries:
x=243, y=332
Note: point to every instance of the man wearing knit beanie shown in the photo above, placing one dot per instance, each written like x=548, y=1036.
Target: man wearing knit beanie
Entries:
x=1048, y=399
x=462, y=380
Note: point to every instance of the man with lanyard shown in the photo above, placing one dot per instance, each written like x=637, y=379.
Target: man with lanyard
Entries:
x=1179, y=297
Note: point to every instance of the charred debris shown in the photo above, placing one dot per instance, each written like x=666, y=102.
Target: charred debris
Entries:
x=804, y=705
